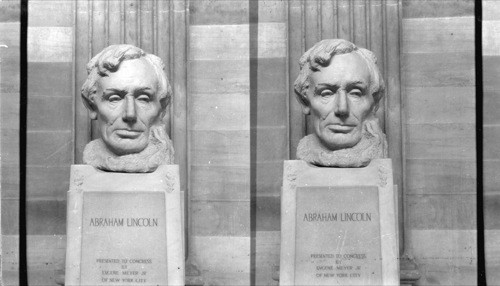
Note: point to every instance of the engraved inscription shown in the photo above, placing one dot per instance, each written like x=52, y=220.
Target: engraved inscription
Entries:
x=124, y=239
x=338, y=236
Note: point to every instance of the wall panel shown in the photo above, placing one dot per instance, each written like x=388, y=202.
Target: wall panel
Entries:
x=438, y=71
x=219, y=146
x=50, y=144
x=9, y=128
x=270, y=124
x=491, y=133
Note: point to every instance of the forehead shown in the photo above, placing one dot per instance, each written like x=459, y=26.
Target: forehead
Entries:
x=343, y=68
x=130, y=74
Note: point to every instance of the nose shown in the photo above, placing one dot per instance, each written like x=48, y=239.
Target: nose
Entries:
x=129, y=114
x=341, y=108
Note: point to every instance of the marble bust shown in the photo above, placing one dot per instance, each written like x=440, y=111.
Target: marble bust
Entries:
x=340, y=87
x=127, y=92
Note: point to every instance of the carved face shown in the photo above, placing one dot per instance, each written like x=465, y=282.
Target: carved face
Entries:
x=126, y=106
x=340, y=101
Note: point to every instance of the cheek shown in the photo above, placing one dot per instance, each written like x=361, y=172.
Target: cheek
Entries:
x=320, y=109
x=108, y=117
x=148, y=115
x=108, y=112
x=361, y=110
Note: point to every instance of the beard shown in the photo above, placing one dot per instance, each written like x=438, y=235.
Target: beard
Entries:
x=159, y=151
x=372, y=145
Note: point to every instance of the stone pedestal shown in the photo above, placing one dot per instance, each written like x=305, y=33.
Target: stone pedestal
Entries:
x=124, y=228
x=338, y=225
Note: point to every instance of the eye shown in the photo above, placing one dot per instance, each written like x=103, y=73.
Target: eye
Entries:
x=143, y=98
x=326, y=93
x=114, y=98
x=356, y=92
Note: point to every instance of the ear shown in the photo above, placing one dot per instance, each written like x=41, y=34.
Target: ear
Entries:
x=93, y=115
x=90, y=106
x=306, y=109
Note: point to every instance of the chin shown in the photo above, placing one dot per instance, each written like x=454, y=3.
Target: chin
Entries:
x=125, y=148
x=340, y=141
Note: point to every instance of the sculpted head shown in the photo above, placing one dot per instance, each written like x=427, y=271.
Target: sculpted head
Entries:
x=127, y=92
x=340, y=87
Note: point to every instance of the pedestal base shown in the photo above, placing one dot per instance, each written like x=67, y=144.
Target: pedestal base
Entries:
x=338, y=225
x=124, y=228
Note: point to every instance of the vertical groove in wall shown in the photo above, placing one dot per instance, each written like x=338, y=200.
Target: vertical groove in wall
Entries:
x=295, y=50
x=122, y=21
x=289, y=88
x=383, y=105
x=312, y=35
x=99, y=27
x=169, y=56
x=377, y=44
x=360, y=31
x=140, y=27
x=393, y=109
x=253, y=51
x=179, y=117
x=376, y=32
x=322, y=18
x=73, y=91
x=484, y=258
x=344, y=20
x=83, y=30
x=91, y=53
x=146, y=20
x=351, y=19
x=337, y=19
x=106, y=20
x=114, y=22
x=155, y=27
x=99, y=40
x=131, y=33
x=367, y=23
x=353, y=6
x=328, y=19
x=319, y=20
x=187, y=181
x=402, y=190
x=137, y=22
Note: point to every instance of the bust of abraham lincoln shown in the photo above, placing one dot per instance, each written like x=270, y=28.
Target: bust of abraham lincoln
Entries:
x=127, y=92
x=340, y=87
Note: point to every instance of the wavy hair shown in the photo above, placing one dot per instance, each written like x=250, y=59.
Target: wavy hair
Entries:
x=322, y=53
x=109, y=60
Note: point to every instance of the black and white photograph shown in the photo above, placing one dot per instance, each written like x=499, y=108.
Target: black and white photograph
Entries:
x=250, y=142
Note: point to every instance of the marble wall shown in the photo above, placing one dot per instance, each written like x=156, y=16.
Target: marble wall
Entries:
x=238, y=129
x=491, y=130
x=49, y=133
x=438, y=72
